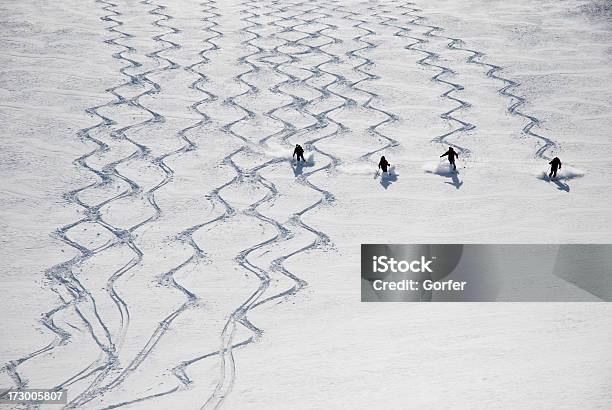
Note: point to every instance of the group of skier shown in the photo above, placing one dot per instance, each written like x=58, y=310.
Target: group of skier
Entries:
x=384, y=165
x=451, y=154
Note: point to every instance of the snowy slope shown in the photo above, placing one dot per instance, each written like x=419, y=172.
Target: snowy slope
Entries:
x=192, y=263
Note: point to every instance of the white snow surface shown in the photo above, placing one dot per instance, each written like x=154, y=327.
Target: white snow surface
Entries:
x=160, y=249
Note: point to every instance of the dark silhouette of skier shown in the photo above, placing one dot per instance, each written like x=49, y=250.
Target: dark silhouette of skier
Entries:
x=299, y=151
x=554, y=165
x=383, y=164
x=451, y=156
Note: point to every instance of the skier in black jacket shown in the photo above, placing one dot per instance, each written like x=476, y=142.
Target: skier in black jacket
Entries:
x=554, y=165
x=383, y=164
x=451, y=156
x=299, y=151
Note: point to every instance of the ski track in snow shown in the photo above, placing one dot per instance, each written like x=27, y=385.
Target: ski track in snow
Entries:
x=100, y=385
x=367, y=62
x=186, y=236
x=440, y=78
x=167, y=278
x=493, y=72
x=239, y=316
x=105, y=371
x=62, y=274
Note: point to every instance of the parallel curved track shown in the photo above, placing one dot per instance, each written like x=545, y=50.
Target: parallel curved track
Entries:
x=546, y=144
x=440, y=78
x=239, y=316
x=106, y=373
x=62, y=274
x=367, y=62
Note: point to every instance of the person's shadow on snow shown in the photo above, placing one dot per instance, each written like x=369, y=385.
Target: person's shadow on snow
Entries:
x=561, y=186
x=298, y=166
x=445, y=171
x=387, y=178
x=456, y=182
x=559, y=180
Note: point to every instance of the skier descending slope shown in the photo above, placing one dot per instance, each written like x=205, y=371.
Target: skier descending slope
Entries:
x=383, y=164
x=451, y=157
x=554, y=165
x=299, y=151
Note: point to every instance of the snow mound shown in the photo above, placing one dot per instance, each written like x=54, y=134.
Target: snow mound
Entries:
x=310, y=160
x=566, y=173
x=287, y=156
x=391, y=171
x=390, y=175
x=439, y=168
x=282, y=153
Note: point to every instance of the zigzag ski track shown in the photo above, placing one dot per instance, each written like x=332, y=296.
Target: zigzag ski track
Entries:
x=196, y=232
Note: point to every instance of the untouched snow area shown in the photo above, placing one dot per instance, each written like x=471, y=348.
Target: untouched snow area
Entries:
x=191, y=263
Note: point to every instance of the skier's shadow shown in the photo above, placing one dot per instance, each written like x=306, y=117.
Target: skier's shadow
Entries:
x=446, y=172
x=453, y=175
x=456, y=182
x=298, y=167
x=561, y=186
x=387, y=178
